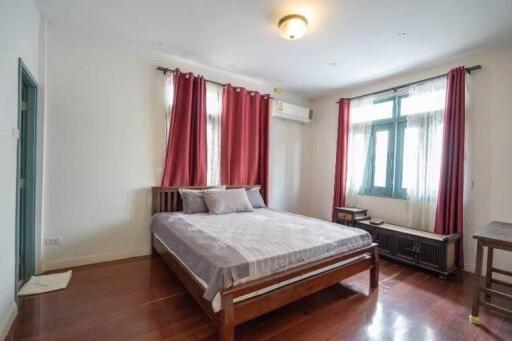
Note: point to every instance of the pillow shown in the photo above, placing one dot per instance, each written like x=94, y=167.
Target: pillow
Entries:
x=255, y=198
x=193, y=201
x=228, y=201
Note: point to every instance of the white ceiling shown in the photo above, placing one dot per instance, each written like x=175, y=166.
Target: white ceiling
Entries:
x=360, y=36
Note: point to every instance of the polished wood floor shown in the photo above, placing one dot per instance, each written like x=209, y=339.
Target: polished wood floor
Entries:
x=140, y=299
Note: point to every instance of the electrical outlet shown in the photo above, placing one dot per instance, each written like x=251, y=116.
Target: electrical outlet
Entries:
x=53, y=241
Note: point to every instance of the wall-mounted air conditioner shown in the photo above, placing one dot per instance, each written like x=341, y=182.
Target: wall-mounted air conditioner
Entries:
x=291, y=112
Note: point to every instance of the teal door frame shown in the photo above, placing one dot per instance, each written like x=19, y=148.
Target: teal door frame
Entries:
x=25, y=176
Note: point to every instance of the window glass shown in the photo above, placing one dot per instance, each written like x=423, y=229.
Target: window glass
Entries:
x=213, y=100
x=381, y=158
x=168, y=100
x=372, y=112
x=410, y=158
x=213, y=111
x=417, y=104
x=435, y=157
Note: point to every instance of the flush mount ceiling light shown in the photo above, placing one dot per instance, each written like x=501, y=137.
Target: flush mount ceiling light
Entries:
x=293, y=26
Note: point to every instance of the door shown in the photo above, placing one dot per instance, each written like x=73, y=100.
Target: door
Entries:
x=406, y=247
x=429, y=253
x=386, y=239
x=26, y=175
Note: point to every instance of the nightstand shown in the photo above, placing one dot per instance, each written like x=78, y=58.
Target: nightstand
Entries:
x=349, y=215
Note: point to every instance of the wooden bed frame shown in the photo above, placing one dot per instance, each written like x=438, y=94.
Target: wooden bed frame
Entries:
x=167, y=199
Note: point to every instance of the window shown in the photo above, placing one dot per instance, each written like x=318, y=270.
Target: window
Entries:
x=405, y=140
x=213, y=111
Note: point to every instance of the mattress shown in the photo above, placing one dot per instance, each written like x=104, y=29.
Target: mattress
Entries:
x=216, y=302
x=230, y=249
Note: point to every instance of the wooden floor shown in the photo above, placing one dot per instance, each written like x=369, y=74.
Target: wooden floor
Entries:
x=140, y=299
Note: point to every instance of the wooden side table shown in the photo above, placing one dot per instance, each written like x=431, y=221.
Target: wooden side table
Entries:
x=496, y=235
x=349, y=215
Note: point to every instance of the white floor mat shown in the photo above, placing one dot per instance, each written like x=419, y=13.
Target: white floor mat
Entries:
x=45, y=283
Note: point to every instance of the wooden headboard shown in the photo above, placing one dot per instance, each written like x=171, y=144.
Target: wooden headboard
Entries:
x=168, y=199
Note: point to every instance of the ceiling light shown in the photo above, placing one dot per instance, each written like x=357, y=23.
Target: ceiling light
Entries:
x=293, y=26
x=402, y=33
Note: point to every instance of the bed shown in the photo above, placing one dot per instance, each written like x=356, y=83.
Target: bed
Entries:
x=239, y=266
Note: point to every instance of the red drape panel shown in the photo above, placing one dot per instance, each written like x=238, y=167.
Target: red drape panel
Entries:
x=186, y=159
x=450, y=198
x=244, y=138
x=340, y=175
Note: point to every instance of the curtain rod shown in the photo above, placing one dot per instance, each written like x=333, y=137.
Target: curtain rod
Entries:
x=165, y=70
x=468, y=69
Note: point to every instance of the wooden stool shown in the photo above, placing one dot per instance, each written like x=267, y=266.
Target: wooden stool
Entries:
x=496, y=235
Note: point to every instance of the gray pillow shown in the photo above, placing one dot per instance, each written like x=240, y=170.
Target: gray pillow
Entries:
x=255, y=198
x=193, y=201
x=228, y=201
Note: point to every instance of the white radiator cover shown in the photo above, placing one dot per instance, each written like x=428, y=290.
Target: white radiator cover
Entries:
x=291, y=112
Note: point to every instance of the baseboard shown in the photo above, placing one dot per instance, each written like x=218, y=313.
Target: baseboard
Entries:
x=93, y=259
x=471, y=269
x=7, y=321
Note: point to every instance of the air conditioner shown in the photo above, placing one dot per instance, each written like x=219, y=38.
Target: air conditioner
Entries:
x=291, y=112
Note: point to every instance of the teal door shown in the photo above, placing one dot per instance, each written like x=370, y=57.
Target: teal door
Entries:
x=26, y=175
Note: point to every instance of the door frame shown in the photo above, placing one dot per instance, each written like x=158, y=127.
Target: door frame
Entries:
x=24, y=75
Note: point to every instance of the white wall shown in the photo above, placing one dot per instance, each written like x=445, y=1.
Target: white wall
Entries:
x=19, y=37
x=289, y=170
x=105, y=145
x=489, y=158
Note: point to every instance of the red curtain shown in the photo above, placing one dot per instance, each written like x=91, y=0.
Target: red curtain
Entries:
x=186, y=159
x=244, y=138
x=450, y=198
x=340, y=175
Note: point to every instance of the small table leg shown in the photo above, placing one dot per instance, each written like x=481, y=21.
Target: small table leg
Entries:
x=488, y=275
x=476, y=294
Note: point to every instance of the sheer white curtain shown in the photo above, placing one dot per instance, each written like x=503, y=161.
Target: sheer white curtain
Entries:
x=168, y=100
x=422, y=143
x=359, y=133
x=213, y=110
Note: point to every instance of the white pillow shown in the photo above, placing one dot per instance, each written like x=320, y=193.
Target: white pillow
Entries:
x=228, y=201
x=193, y=201
x=255, y=198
